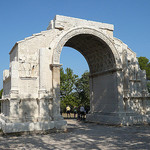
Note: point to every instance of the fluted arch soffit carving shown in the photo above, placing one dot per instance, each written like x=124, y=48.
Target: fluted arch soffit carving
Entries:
x=98, y=49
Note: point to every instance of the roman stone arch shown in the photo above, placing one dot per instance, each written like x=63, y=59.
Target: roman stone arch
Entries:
x=84, y=31
x=31, y=101
x=98, y=50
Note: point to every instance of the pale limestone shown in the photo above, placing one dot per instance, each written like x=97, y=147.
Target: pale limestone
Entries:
x=31, y=97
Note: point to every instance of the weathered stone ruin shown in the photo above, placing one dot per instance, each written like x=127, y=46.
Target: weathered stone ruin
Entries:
x=31, y=102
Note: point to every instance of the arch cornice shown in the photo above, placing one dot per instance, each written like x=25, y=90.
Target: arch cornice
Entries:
x=66, y=35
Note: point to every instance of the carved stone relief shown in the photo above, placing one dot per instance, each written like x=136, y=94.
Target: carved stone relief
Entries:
x=28, y=65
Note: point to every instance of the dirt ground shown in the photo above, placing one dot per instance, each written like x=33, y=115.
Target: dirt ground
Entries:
x=82, y=136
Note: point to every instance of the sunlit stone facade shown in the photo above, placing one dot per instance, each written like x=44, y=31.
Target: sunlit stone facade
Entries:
x=31, y=101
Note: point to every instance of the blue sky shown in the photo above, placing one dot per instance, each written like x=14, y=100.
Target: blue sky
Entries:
x=22, y=18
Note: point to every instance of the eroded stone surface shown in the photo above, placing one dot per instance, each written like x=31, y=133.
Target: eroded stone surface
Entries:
x=118, y=91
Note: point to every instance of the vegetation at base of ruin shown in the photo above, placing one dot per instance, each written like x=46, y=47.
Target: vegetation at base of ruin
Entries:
x=74, y=91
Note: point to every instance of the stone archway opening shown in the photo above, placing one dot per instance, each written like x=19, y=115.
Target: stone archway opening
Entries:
x=101, y=62
x=74, y=77
x=96, y=52
x=71, y=58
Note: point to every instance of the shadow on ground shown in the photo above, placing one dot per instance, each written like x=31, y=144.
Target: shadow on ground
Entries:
x=83, y=135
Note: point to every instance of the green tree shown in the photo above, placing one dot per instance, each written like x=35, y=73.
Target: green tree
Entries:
x=73, y=90
x=67, y=86
x=145, y=65
x=82, y=90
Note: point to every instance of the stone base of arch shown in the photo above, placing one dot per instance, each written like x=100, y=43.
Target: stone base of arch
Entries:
x=118, y=118
x=38, y=117
x=37, y=127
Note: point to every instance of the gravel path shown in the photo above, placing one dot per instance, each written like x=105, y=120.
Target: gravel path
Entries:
x=83, y=136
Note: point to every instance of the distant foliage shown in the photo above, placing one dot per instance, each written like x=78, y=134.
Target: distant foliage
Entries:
x=1, y=91
x=148, y=86
x=67, y=87
x=83, y=91
x=74, y=91
x=144, y=64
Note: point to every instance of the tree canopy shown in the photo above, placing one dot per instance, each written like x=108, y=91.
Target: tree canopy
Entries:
x=74, y=91
x=67, y=82
x=67, y=87
x=144, y=64
x=83, y=91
